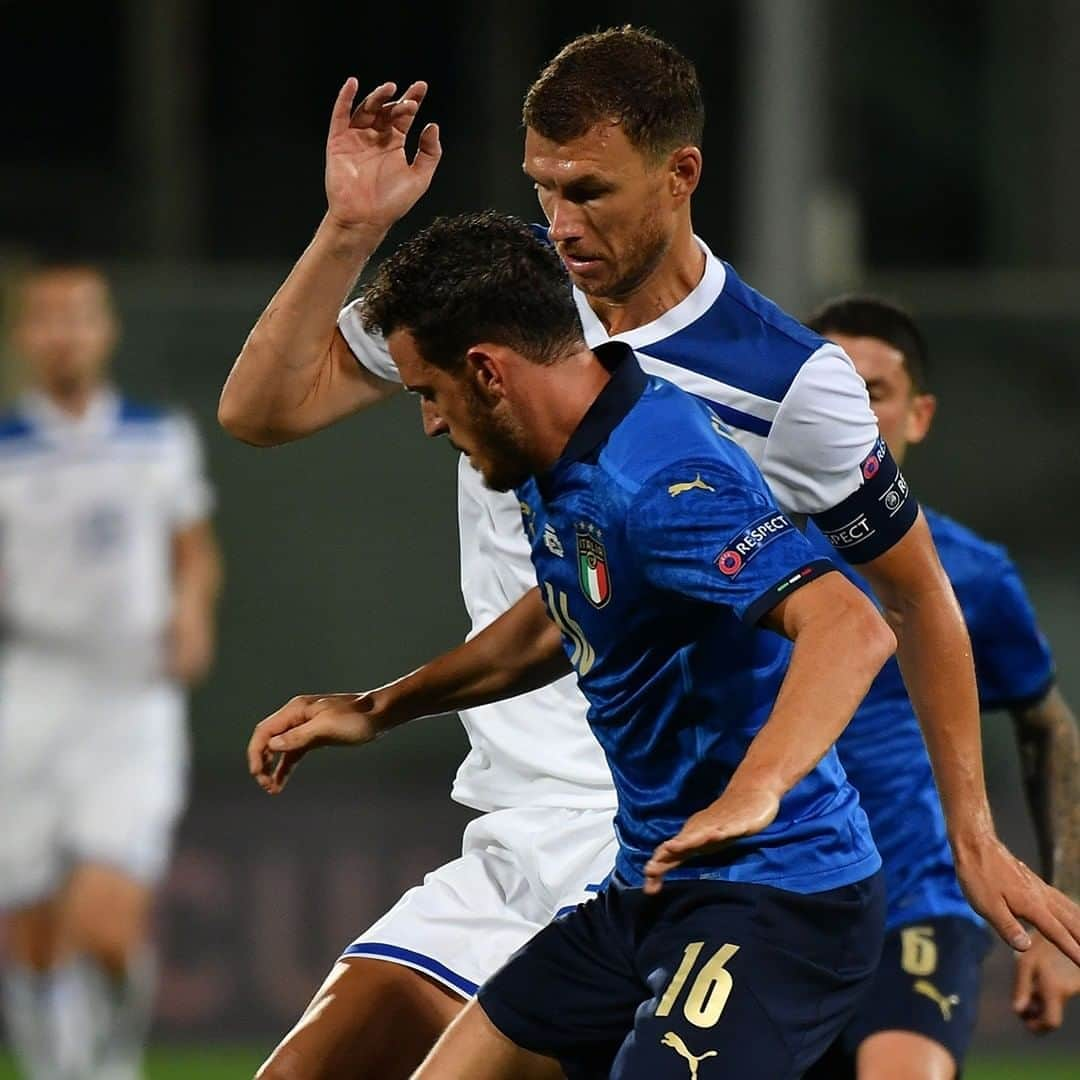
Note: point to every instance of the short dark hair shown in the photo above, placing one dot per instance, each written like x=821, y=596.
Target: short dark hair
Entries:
x=870, y=316
x=625, y=75
x=471, y=278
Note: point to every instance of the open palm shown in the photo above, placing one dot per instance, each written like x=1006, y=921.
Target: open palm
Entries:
x=369, y=179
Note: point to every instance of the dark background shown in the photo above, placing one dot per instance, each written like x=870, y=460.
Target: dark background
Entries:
x=929, y=151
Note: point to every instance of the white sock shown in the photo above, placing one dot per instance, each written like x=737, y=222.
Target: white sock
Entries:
x=49, y=1023
x=26, y=994
x=125, y=1006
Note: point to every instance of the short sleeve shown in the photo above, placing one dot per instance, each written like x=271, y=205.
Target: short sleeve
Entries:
x=368, y=347
x=703, y=531
x=190, y=497
x=823, y=431
x=1013, y=663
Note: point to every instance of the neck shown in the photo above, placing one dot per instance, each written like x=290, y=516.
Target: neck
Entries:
x=73, y=398
x=555, y=402
x=673, y=279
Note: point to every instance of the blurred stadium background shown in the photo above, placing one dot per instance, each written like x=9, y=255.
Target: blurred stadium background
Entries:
x=928, y=151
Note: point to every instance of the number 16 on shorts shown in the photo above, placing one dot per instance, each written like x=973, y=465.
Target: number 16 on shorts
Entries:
x=707, y=995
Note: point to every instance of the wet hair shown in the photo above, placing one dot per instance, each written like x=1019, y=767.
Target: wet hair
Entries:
x=472, y=278
x=625, y=75
x=870, y=316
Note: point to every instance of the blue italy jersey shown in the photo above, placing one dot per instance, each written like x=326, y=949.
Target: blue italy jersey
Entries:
x=658, y=547
x=883, y=750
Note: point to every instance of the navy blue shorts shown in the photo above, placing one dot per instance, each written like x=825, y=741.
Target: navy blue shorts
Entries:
x=928, y=983
x=646, y=987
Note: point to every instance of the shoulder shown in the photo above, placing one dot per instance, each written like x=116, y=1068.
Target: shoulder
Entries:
x=13, y=427
x=965, y=554
x=17, y=436
x=671, y=444
x=667, y=428
x=982, y=573
x=744, y=340
x=152, y=422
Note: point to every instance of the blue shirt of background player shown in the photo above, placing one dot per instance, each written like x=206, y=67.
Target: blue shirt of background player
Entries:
x=882, y=749
x=658, y=546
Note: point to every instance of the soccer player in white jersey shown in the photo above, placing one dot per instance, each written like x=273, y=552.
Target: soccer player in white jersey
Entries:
x=108, y=578
x=613, y=126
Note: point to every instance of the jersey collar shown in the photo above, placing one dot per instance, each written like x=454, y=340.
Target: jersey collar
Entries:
x=52, y=421
x=618, y=397
x=687, y=311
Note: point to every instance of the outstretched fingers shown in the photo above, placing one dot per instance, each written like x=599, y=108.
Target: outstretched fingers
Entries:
x=428, y=153
x=341, y=113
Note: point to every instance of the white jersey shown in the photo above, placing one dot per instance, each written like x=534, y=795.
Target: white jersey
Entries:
x=88, y=509
x=791, y=399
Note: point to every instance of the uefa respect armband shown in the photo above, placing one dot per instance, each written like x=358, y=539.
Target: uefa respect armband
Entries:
x=876, y=516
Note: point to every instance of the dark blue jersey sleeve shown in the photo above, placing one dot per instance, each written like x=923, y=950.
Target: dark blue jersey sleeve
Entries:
x=1013, y=664
x=715, y=534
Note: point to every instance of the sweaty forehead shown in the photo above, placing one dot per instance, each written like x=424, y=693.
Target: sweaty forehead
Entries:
x=603, y=149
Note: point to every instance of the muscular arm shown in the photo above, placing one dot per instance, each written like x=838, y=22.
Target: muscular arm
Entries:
x=1049, y=744
x=520, y=651
x=841, y=643
x=196, y=584
x=295, y=373
x=934, y=653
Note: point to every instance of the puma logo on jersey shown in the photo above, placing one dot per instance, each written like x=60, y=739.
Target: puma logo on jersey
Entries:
x=945, y=1004
x=676, y=1044
x=552, y=541
x=697, y=484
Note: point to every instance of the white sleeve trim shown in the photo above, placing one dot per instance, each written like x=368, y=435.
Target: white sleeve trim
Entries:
x=822, y=432
x=369, y=348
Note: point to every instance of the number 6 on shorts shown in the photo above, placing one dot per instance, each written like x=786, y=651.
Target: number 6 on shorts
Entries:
x=709, y=993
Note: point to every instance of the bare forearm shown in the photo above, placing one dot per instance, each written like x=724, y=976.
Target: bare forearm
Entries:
x=287, y=380
x=520, y=651
x=837, y=655
x=934, y=653
x=1049, y=743
x=197, y=571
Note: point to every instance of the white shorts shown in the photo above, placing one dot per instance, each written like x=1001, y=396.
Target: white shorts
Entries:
x=519, y=869
x=98, y=777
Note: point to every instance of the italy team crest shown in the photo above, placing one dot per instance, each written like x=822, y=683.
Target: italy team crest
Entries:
x=593, y=573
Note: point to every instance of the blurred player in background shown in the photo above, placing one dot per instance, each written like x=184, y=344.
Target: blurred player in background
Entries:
x=916, y=1023
x=614, y=125
x=109, y=574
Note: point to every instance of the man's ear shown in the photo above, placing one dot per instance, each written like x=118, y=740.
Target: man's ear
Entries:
x=920, y=417
x=486, y=365
x=684, y=172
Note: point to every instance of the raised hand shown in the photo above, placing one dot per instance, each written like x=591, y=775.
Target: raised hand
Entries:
x=732, y=816
x=369, y=180
x=308, y=721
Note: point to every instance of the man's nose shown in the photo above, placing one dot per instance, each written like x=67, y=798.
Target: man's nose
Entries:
x=434, y=424
x=566, y=223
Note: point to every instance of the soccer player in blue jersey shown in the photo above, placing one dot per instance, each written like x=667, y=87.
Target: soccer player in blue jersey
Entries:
x=917, y=1021
x=613, y=127
x=659, y=552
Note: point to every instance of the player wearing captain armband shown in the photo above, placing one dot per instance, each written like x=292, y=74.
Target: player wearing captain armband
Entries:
x=745, y=894
x=613, y=127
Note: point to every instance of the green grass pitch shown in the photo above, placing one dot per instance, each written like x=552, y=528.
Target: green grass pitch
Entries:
x=238, y=1063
